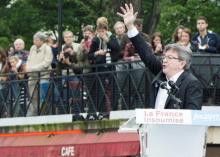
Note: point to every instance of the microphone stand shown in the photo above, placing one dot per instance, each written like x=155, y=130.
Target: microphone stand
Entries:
x=177, y=103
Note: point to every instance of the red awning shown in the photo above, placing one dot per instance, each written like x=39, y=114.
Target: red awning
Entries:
x=71, y=145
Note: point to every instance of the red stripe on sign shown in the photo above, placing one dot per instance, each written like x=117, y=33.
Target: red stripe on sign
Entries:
x=43, y=133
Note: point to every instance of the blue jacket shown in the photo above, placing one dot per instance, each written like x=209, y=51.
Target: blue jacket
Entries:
x=213, y=42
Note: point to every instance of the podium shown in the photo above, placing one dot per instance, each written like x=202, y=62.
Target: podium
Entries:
x=174, y=133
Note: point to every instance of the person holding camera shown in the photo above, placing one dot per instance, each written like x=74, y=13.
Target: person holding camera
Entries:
x=68, y=59
x=68, y=37
x=69, y=83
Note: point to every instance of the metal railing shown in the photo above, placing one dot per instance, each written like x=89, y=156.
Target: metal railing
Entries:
x=122, y=86
x=117, y=86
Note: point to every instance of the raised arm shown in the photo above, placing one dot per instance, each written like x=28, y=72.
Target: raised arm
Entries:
x=143, y=49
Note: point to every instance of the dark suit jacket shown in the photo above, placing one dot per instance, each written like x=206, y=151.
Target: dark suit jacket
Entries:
x=190, y=89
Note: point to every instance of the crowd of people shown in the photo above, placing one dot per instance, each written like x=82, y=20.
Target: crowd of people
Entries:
x=98, y=46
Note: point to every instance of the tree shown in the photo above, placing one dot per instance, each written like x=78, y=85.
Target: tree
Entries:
x=154, y=17
x=22, y=18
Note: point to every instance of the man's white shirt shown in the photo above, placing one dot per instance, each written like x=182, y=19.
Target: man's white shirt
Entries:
x=132, y=32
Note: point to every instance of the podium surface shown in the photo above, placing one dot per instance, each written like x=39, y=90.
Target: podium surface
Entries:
x=174, y=133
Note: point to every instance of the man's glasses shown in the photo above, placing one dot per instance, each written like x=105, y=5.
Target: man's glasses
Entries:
x=169, y=58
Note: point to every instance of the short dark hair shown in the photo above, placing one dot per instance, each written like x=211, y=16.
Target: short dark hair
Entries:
x=138, y=22
x=202, y=18
x=67, y=47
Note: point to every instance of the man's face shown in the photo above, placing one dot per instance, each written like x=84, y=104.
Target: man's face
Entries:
x=172, y=64
x=201, y=25
x=119, y=29
x=68, y=38
x=38, y=42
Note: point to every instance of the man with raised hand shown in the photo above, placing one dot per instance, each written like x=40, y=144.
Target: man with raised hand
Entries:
x=174, y=68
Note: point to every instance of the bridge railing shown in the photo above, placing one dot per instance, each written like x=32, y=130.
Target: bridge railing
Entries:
x=116, y=86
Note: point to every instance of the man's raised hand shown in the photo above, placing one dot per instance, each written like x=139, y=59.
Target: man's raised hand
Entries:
x=128, y=15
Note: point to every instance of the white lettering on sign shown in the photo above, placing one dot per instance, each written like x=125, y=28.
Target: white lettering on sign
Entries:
x=67, y=151
x=152, y=116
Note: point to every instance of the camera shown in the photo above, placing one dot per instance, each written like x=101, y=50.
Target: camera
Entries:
x=86, y=37
x=66, y=54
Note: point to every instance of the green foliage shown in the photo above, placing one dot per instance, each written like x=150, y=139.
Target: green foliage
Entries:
x=4, y=42
x=4, y=3
x=23, y=18
x=26, y=17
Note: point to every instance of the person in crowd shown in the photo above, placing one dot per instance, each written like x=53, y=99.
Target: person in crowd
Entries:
x=104, y=49
x=52, y=42
x=88, y=34
x=69, y=40
x=119, y=28
x=177, y=34
x=16, y=69
x=204, y=40
x=19, y=51
x=17, y=66
x=3, y=63
x=130, y=53
x=68, y=67
x=138, y=23
x=104, y=42
x=179, y=81
x=10, y=50
x=3, y=85
x=134, y=64
x=68, y=59
x=157, y=44
x=121, y=36
x=85, y=44
x=185, y=39
x=39, y=59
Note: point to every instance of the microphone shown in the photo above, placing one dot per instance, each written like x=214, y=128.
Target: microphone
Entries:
x=174, y=87
x=161, y=84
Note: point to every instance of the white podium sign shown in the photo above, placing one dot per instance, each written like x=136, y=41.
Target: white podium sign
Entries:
x=181, y=117
x=174, y=133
